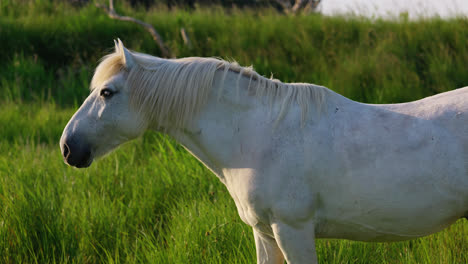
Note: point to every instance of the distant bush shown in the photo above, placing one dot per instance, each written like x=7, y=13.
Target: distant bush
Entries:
x=371, y=61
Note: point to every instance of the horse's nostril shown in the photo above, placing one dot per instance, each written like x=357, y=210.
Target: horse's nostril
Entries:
x=66, y=151
x=76, y=153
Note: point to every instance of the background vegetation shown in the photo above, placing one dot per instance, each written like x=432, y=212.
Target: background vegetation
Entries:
x=151, y=201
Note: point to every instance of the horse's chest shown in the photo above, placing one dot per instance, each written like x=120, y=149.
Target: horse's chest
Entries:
x=262, y=198
x=249, y=196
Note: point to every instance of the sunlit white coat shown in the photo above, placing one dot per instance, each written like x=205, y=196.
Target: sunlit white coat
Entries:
x=300, y=161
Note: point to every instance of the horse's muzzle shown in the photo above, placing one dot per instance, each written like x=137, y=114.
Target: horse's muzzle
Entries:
x=75, y=152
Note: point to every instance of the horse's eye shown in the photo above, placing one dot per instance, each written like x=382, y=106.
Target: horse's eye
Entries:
x=106, y=93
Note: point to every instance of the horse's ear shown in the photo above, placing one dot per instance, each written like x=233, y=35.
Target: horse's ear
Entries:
x=127, y=56
x=117, y=50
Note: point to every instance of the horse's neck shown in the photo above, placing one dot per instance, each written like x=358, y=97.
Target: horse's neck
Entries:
x=235, y=128
x=217, y=134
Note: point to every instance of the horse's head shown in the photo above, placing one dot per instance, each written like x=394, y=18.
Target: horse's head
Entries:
x=106, y=119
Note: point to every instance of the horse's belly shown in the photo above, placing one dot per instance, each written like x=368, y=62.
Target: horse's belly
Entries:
x=403, y=209
x=394, y=186
x=392, y=208
x=378, y=230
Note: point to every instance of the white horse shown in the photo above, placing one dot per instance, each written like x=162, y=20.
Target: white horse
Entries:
x=300, y=161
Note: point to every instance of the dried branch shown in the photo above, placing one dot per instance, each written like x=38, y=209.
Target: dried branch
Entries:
x=156, y=37
x=285, y=4
x=299, y=6
x=312, y=5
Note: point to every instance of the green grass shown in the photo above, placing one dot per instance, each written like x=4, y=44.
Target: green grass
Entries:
x=151, y=201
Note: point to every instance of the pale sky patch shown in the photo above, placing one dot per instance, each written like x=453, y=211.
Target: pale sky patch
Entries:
x=393, y=8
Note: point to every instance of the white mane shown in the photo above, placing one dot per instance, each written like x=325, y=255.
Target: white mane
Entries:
x=172, y=91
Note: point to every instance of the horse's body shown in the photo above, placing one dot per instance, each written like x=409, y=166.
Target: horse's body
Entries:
x=340, y=169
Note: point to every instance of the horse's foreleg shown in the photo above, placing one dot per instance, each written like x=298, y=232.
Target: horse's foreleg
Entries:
x=297, y=243
x=268, y=251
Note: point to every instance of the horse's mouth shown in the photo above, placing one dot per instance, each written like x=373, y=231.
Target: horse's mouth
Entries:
x=81, y=164
x=85, y=164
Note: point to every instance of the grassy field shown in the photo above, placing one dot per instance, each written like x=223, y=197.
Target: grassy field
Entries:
x=150, y=201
